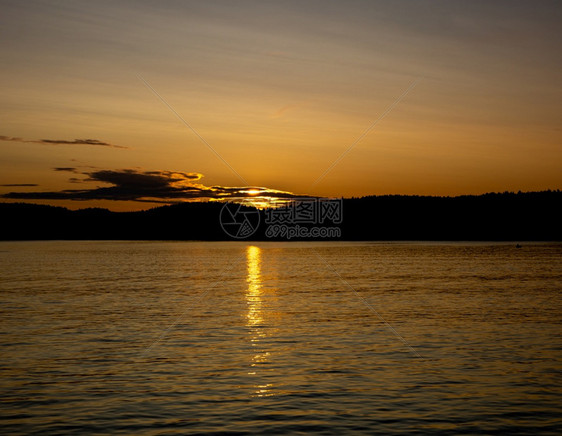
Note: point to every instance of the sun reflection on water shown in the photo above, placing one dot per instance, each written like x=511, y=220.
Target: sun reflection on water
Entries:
x=253, y=294
x=255, y=320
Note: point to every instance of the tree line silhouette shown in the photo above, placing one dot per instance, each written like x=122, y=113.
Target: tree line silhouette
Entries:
x=504, y=216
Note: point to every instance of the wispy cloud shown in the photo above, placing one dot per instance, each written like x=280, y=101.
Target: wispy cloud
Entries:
x=12, y=138
x=19, y=184
x=148, y=186
x=96, y=142
x=283, y=110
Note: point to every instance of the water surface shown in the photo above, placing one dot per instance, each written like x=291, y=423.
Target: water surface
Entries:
x=280, y=338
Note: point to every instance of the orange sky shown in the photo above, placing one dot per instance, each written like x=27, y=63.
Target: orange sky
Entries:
x=280, y=90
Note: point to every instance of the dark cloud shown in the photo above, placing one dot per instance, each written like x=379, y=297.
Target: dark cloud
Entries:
x=148, y=186
x=62, y=141
x=79, y=142
x=69, y=169
x=147, y=179
x=20, y=184
x=11, y=138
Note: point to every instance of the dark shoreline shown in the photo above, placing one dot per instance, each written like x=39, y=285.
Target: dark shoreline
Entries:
x=500, y=217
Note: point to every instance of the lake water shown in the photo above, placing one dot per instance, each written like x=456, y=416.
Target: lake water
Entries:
x=280, y=338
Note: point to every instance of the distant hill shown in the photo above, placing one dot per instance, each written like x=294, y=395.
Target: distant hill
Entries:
x=494, y=216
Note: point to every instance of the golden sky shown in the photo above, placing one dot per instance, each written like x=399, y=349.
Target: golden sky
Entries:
x=279, y=89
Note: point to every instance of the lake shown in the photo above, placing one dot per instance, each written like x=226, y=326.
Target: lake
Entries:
x=280, y=338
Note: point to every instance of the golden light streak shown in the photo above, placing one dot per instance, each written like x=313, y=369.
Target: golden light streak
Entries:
x=253, y=294
x=255, y=319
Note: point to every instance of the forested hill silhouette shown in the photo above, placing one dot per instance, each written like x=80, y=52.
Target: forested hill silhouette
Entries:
x=495, y=216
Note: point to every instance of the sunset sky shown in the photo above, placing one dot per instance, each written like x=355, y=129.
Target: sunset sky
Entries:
x=279, y=89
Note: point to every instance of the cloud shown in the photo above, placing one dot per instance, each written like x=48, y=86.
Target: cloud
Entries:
x=79, y=142
x=282, y=111
x=11, y=138
x=148, y=186
x=20, y=184
x=62, y=141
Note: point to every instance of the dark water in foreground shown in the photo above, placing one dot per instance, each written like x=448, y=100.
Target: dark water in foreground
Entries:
x=182, y=338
